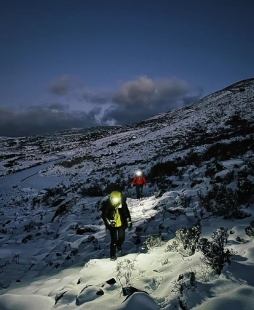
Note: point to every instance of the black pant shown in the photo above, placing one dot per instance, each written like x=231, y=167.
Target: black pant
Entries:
x=139, y=191
x=117, y=235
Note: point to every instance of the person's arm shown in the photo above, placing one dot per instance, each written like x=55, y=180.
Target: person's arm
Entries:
x=104, y=217
x=133, y=181
x=126, y=213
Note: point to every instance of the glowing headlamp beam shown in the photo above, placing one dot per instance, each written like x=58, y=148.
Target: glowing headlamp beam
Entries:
x=138, y=173
x=115, y=200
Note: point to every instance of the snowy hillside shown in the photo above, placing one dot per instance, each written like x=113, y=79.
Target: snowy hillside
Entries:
x=199, y=165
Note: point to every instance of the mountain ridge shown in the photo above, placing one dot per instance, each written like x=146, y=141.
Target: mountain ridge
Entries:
x=208, y=120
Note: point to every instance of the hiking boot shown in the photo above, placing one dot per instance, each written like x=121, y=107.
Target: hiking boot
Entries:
x=112, y=257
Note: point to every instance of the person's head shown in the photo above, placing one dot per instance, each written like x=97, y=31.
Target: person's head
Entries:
x=138, y=173
x=115, y=198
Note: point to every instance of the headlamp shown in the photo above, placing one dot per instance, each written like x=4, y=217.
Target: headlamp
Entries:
x=115, y=198
x=138, y=173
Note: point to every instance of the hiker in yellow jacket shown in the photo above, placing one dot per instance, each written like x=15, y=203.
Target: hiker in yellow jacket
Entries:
x=116, y=216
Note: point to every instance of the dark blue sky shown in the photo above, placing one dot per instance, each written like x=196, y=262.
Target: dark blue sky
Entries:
x=72, y=63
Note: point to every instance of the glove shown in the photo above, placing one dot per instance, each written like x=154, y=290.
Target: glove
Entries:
x=131, y=185
x=129, y=224
x=112, y=223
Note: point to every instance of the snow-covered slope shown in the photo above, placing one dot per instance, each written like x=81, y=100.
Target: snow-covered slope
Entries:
x=199, y=164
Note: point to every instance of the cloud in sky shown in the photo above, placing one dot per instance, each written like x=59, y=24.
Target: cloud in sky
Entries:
x=61, y=85
x=37, y=120
x=134, y=101
x=97, y=98
x=147, y=92
x=144, y=97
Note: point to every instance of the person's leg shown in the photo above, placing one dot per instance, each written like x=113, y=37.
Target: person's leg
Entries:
x=139, y=191
x=120, y=238
x=113, y=235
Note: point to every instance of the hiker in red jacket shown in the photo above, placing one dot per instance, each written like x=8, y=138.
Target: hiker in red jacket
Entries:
x=139, y=181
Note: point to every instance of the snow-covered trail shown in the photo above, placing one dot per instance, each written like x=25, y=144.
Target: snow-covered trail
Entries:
x=15, y=179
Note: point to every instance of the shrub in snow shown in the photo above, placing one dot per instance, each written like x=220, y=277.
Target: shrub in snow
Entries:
x=89, y=239
x=205, y=272
x=113, y=143
x=27, y=238
x=35, y=201
x=51, y=193
x=3, y=230
x=15, y=258
x=3, y=264
x=245, y=191
x=77, y=160
x=137, y=236
x=245, y=182
x=198, y=211
x=74, y=252
x=159, y=185
x=182, y=200
x=236, y=120
x=176, y=212
x=80, y=229
x=63, y=209
x=220, y=237
x=152, y=242
x=196, y=181
x=184, y=283
x=160, y=169
x=54, y=265
x=213, y=252
x=31, y=225
x=173, y=246
x=211, y=170
x=118, y=185
x=240, y=239
x=222, y=201
x=186, y=238
x=180, y=173
x=229, y=177
x=96, y=244
x=92, y=191
x=193, y=158
x=226, y=151
x=249, y=230
x=124, y=270
x=205, y=200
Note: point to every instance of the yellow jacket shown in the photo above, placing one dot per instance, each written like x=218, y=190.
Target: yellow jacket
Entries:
x=117, y=217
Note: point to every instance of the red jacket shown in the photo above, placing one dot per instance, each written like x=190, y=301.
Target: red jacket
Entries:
x=139, y=181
